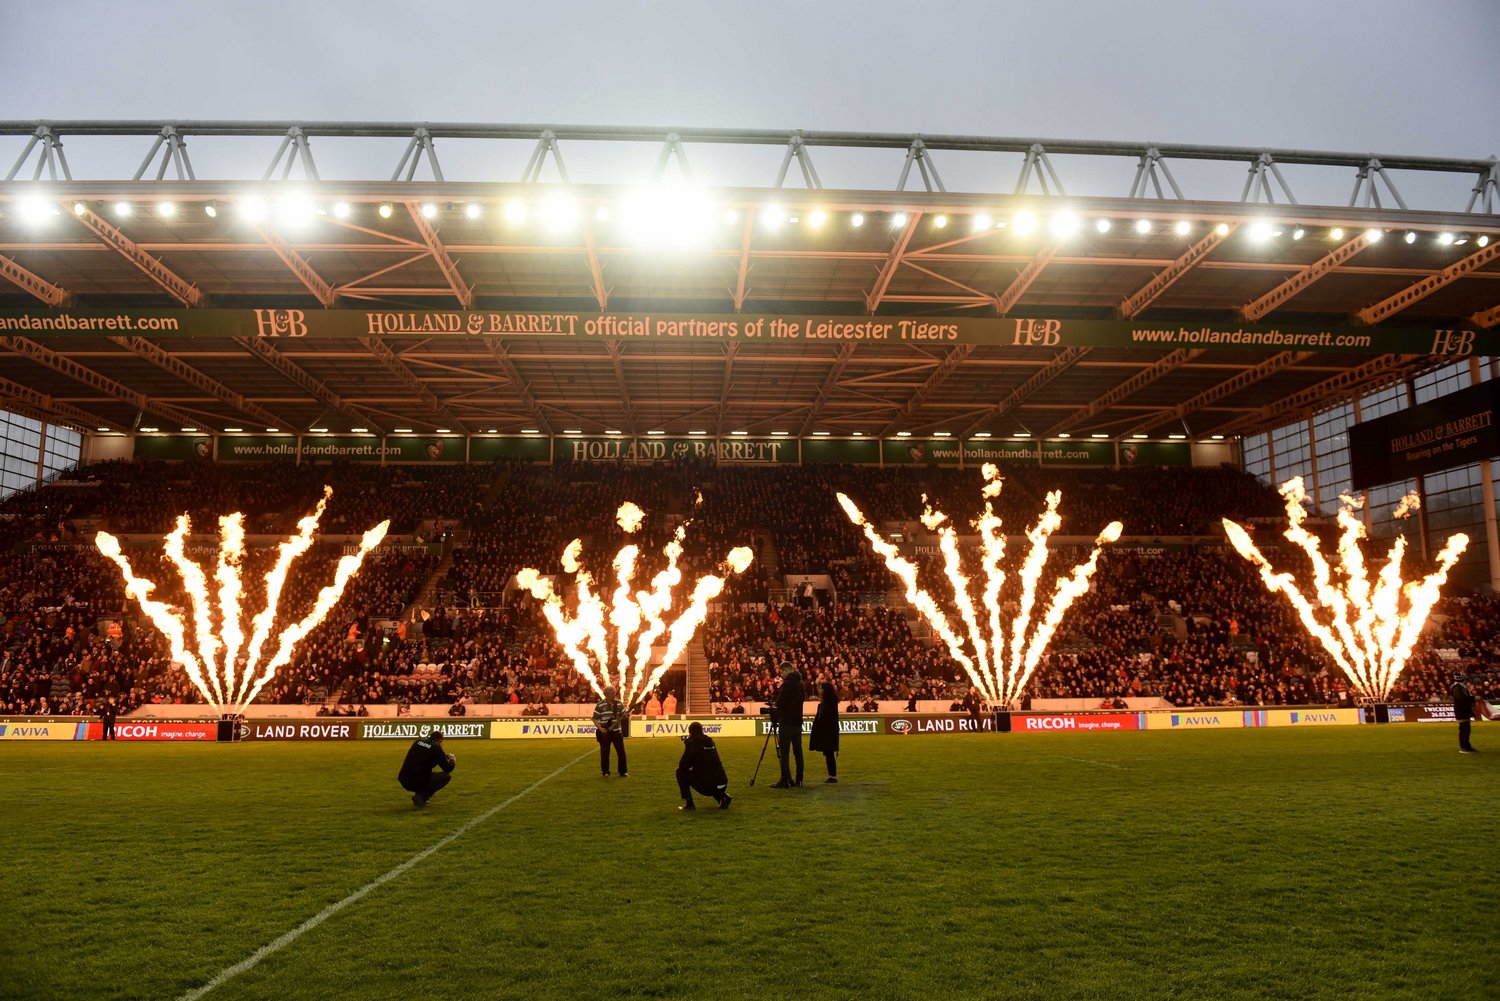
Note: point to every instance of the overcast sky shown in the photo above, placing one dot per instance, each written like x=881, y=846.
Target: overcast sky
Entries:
x=1390, y=76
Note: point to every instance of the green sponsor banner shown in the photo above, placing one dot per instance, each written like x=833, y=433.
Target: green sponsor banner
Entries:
x=1078, y=453
x=346, y=448
x=982, y=450
x=1047, y=332
x=419, y=448
x=662, y=448
x=855, y=451
x=1156, y=453
x=920, y=451
x=257, y=448
x=529, y=448
x=174, y=446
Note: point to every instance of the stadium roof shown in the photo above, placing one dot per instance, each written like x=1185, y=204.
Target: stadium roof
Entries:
x=1407, y=283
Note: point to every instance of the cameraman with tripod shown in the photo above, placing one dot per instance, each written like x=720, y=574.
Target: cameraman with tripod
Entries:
x=789, y=699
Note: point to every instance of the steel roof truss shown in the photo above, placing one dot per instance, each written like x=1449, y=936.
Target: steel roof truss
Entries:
x=1143, y=378
x=95, y=380
x=153, y=352
x=52, y=295
x=1133, y=305
x=445, y=264
x=300, y=377
x=173, y=284
x=1420, y=290
x=174, y=155
x=1326, y=264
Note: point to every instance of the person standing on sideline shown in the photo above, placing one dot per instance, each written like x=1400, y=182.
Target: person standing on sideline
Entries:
x=669, y=704
x=1463, y=711
x=700, y=770
x=609, y=730
x=107, y=715
x=789, y=700
x=825, y=731
x=417, y=776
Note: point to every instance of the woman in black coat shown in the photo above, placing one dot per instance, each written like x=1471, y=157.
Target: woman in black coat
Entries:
x=825, y=731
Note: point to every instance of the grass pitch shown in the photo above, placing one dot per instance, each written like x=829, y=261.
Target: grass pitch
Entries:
x=1232, y=864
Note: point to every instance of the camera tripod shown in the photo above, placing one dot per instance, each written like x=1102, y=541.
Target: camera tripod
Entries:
x=771, y=730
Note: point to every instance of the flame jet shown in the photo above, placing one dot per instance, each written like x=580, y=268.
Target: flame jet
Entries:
x=227, y=681
x=1362, y=624
x=998, y=664
x=611, y=644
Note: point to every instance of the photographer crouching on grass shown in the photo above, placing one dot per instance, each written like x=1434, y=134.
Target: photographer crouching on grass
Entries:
x=700, y=770
x=789, y=699
x=417, y=776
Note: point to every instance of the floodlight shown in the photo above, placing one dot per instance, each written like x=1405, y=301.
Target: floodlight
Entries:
x=38, y=210
x=940, y=221
x=1064, y=224
x=1374, y=235
x=123, y=210
x=982, y=221
x=341, y=210
x=1182, y=227
x=1102, y=225
x=166, y=209
x=1143, y=226
x=386, y=208
x=817, y=218
x=1024, y=223
x=857, y=220
x=559, y=213
x=252, y=209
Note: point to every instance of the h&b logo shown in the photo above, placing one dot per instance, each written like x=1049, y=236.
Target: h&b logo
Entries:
x=1047, y=333
x=1453, y=342
x=280, y=323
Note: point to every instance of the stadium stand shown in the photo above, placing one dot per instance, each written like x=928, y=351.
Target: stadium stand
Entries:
x=1186, y=621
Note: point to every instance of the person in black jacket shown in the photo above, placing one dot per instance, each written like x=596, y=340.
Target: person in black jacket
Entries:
x=789, y=700
x=1463, y=711
x=417, y=776
x=825, y=731
x=107, y=714
x=700, y=770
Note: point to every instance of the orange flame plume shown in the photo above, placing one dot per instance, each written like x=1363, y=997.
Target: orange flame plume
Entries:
x=1362, y=625
x=999, y=666
x=213, y=663
x=612, y=645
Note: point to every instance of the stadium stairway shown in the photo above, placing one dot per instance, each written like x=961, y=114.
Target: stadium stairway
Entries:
x=427, y=594
x=698, y=692
x=502, y=479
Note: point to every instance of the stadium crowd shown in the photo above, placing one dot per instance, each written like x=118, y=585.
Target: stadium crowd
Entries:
x=1190, y=623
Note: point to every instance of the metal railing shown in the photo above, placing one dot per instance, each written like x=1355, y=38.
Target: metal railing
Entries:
x=902, y=157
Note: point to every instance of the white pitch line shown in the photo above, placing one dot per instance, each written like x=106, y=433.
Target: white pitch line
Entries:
x=253, y=960
x=1090, y=761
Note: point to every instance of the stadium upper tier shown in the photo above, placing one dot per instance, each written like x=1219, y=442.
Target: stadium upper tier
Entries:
x=638, y=280
x=1184, y=620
